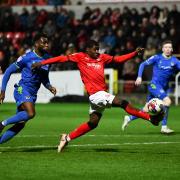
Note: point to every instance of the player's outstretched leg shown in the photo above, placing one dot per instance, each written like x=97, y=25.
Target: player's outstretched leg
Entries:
x=117, y=102
x=81, y=130
x=11, y=132
x=128, y=119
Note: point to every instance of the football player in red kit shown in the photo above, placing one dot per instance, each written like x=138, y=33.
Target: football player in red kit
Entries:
x=91, y=65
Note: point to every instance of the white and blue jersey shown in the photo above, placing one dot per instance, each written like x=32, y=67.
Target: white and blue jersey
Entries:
x=27, y=88
x=163, y=69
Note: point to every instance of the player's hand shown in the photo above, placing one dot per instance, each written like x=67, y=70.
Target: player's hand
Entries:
x=53, y=90
x=36, y=65
x=2, y=96
x=139, y=50
x=138, y=81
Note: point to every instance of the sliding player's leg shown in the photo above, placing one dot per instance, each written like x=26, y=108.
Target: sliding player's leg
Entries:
x=117, y=102
x=129, y=118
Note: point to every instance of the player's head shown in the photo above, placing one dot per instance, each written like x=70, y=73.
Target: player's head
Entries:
x=167, y=48
x=41, y=42
x=92, y=49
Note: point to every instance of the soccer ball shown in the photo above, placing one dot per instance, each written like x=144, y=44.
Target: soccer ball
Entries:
x=155, y=106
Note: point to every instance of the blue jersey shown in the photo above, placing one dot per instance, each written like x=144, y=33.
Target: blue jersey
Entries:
x=30, y=79
x=163, y=69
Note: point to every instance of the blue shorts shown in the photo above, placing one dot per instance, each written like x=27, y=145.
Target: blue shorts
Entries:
x=21, y=95
x=156, y=91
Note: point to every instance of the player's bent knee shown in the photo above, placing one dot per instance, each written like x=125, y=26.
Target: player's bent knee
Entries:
x=117, y=102
x=31, y=115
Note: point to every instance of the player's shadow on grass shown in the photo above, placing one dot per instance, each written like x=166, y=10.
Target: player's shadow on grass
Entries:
x=128, y=151
x=38, y=149
x=33, y=149
x=152, y=134
x=106, y=150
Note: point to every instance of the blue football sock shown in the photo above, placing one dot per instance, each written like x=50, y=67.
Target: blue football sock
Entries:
x=20, y=116
x=7, y=136
x=11, y=132
x=133, y=117
x=164, y=121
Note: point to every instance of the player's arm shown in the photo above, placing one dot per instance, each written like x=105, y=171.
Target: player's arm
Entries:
x=149, y=61
x=58, y=59
x=127, y=57
x=11, y=69
x=46, y=82
x=178, y=64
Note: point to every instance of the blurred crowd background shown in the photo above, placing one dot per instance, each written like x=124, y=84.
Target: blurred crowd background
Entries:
x=118, y=30
x=38, y=2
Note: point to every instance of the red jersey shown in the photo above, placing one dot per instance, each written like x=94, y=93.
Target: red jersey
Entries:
x=91, y=70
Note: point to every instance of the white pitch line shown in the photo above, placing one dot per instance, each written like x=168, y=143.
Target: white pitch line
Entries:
x=89, y=145
x=91, y=135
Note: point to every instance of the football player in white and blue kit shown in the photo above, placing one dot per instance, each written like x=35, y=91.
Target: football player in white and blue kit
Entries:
x=25, y=92
x=164, y=67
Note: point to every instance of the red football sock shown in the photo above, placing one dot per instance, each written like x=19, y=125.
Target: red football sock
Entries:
x=137, y=112
x=82, y=129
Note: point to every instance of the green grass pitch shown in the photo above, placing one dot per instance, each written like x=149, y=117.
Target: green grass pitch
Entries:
x=140, y=152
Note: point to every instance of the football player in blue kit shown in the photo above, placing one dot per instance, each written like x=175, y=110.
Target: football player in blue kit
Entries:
x=25, y=92
x=164, y=67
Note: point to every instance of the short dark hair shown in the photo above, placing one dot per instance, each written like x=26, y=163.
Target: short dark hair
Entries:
x=91, y=43
x=166, y=42
x=39, y=36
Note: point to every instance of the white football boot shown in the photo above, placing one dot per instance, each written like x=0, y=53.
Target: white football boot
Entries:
x=63, y=142
x=125, y=122
x=166, y=130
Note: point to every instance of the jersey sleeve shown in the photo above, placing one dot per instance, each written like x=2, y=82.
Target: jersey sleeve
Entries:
x=119, y=59
x=125, y=57
x=11, y=69
x=107, y=58
x=75, y=57
x=177, y=64
x=21, y=62
x=45, y=78
x=58, y=59
x=151, y=60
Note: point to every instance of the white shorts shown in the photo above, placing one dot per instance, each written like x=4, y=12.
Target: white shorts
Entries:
x=99, y=101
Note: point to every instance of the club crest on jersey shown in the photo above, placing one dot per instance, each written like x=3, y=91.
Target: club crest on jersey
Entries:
x=94, y=65
x=172, y=64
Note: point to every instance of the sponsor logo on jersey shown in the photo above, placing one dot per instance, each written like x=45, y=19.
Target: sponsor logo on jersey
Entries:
x=94, y=65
